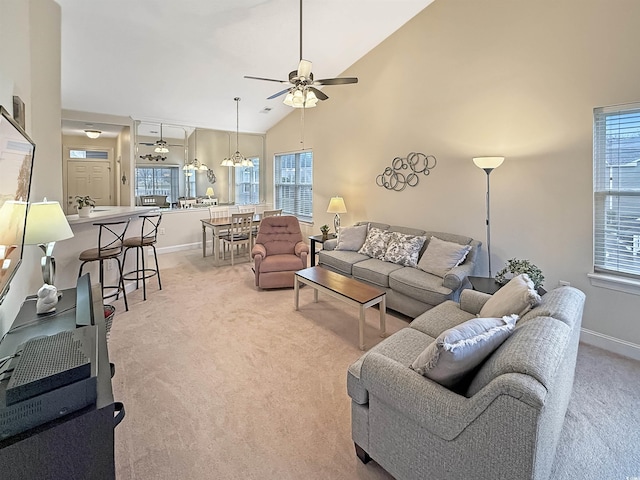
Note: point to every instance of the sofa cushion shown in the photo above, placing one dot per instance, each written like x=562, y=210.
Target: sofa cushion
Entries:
x=404, y=249
x=441, y=317
x=563, y=303
x=535, y=348
x=458, y=350
x=441, y=256
x=340, y=260
x=376, y=243
x=403, y=347
x=420, y=285
x=352, y=238
x=374, y=271
x=279, y=263
x=517, y=296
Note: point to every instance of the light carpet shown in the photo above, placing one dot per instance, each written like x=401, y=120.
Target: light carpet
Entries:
x=223, y=381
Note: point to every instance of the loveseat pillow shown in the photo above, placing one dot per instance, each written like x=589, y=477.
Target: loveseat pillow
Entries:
x=376, y=243
x=351, y=238
x=458, y=350
x=517, y=296
x=404, y=249
x=441, y=256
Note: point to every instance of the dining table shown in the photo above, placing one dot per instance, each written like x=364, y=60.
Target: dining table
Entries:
x=219, y=227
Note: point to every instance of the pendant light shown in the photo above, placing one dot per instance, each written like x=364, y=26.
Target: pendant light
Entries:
x=237, y=160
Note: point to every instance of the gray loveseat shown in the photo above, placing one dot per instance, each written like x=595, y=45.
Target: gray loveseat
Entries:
x=410, y=290
x=504, y=421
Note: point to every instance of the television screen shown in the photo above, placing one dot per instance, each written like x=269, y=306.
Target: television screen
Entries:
x=16, y=165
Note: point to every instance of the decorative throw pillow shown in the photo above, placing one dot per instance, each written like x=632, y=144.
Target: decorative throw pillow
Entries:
x=376, y=243
x=441, y=256
x=517, y=296
x=459, y=350
x=404, y=249
x=351, y=238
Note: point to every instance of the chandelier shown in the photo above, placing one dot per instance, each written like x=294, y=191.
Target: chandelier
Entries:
x=237, y=160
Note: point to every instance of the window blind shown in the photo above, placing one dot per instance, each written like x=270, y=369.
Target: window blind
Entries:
x=293, y=184
x=616, y=189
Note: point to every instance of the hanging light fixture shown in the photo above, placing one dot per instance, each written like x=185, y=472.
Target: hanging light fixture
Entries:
x=93, y=133
x=301, y=97
x=161, y=145
x=237, y=160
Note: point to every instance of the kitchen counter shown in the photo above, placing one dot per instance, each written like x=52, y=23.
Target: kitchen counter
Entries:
x=102, y=213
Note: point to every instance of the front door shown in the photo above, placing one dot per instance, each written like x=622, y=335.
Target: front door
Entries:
x=88, y=177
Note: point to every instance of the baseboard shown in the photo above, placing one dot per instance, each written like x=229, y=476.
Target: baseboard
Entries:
x=178, y=248
x=611, y=344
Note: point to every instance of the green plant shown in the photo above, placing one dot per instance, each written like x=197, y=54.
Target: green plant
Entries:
x=324, y=229
x=515, y=267
x=85, y=201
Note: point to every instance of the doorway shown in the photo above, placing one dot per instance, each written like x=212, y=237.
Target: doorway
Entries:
x=89, y=173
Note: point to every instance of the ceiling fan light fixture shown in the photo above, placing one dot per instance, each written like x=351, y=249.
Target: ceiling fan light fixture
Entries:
x=161, y=149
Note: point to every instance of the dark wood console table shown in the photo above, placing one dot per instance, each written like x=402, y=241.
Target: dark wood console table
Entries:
x=79, y=445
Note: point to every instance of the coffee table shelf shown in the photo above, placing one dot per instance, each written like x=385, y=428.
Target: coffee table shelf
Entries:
x=343, y=288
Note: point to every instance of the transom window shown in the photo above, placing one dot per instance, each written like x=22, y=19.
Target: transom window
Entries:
x=293, y=184
x=616, y=190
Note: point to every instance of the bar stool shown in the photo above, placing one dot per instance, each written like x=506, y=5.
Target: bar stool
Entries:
x=110, y=245
x=147, y=238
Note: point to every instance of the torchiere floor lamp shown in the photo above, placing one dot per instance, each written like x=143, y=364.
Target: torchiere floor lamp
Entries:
x=488, y=164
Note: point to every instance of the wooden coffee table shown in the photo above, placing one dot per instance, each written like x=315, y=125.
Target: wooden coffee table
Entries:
x=343, y=288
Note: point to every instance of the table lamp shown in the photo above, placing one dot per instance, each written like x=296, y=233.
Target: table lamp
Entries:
x=46, y=224
x=337, y=206
x=209, y=192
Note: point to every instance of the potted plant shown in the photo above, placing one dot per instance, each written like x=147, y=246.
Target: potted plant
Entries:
x=84, y=204
x=515, y=267
x=325, y=231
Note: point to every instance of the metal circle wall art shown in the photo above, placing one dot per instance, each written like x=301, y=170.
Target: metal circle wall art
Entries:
x=406, y=171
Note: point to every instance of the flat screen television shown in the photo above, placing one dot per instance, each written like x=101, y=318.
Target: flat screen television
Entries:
x=16, y=166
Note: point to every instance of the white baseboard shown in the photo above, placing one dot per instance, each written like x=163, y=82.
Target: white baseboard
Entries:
x=611, y=344
x=178, y=248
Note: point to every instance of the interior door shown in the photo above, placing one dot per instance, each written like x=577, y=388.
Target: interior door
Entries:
x=88, y=177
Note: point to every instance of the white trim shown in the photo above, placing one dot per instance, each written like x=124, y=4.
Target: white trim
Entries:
x=611, y=344
x=613, y=282
x=178, y=248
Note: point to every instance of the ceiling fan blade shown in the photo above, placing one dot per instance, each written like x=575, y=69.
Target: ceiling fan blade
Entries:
x=304, y=68
x=266, y=79
x=319, y=93
x=336, y=81
x=278, y=94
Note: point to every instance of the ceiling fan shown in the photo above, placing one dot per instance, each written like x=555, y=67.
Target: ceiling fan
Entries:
x=303, y=92
x=161, y=145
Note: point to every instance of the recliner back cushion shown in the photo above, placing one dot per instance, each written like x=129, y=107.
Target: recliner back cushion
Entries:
x=279, y=234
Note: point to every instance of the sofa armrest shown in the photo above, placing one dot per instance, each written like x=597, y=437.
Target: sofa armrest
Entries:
x=301, y=247
x=330, y=244
x=472, y=301
x=454, y=278
x=434, y=407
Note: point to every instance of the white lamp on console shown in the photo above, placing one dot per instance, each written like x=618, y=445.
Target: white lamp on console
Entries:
x=337, y=206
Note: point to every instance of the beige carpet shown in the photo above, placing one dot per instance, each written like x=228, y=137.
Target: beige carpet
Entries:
x=223, y=381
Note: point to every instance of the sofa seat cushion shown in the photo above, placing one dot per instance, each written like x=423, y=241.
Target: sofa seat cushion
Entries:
x=440, y=318
x=279, y=263
x=420, y=285
x=340, y=260
x=374, y=271
x=403, y=347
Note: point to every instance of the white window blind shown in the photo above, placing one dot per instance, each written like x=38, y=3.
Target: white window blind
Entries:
x=616, y=190
x=247, y=181
x=293, y=184
x=158, y=180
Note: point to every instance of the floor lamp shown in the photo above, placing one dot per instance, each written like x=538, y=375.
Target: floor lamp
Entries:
x=488, y=164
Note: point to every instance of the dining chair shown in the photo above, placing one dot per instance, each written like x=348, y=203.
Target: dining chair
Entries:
x=218, y=212
x=249, y=209
x=272, y=213
x=240, y=233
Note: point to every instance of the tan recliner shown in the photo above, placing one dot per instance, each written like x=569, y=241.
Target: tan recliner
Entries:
x=279, y=252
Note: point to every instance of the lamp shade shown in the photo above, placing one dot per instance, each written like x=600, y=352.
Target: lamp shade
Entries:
x=12, y=215
x=46, y=223
x=336, y=205
x=488, y=162
x=209, y=192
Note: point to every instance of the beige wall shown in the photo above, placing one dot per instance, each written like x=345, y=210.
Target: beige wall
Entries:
x=30, y=68
x=497, y=77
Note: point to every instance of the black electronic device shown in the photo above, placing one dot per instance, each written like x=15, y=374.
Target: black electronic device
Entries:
x=84, y=301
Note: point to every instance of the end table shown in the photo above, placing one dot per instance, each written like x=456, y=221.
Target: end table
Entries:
x=318, y=239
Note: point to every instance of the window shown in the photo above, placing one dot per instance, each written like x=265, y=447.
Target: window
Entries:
x=616, y=190
x=158, y=181
x=293, y=184
x=90, y=154
x=248, y=183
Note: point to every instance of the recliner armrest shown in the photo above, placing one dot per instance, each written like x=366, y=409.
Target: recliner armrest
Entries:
x=434, y=407
x=301, y=247
x=258, y=249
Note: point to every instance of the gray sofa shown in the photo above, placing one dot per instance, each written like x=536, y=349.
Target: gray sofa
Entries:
x=410, y=290
x=503, y=421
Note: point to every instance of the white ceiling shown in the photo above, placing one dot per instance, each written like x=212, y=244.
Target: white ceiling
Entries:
x=183, y=62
